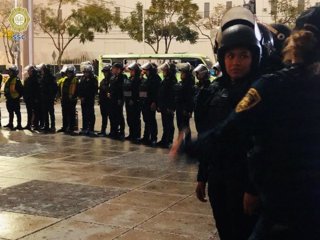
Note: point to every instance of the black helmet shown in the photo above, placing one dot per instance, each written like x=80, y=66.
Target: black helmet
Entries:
x=201, y=71
x=14, y=69
x=280, y=33
x=118, y=65
x=147, y=66
x=134, y=66
x=311, y=16
x=185, y=67
x=240, y=36
x=169, y=67
x=106, y=68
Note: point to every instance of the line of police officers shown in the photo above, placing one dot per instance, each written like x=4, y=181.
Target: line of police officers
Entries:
x=143, y=93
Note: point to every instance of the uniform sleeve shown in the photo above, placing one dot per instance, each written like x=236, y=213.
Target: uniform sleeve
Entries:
x=244, y=117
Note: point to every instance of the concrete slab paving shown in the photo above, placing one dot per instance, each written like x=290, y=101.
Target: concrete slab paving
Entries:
x=55, y=186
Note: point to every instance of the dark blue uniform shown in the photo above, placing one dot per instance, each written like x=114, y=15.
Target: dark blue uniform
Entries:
x=281, y=112
x=87, y=90
x=166, y=106
x=148, y=94
x=133, y=109
x=104, y=102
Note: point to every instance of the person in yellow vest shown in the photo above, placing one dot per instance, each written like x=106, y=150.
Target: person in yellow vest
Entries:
x=13, y=91
x=68, y=93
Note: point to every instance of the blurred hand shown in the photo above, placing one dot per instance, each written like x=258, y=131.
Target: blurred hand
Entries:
x=201, y=191
x=250, y=203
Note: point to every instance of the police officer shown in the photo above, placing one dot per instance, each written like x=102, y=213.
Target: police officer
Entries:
x=68, y=92
x=201, y=94
x=148, y=96
x=184, y=98
x=13, y=91
x=87, y=90
x=131, y=95
x=280, y=112
x=104, y=98
x=116, y=97
x=166, y=103
x=31, y=96
x=48, y=92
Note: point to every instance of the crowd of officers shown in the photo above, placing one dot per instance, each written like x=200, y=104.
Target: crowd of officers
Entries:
x=143, y=93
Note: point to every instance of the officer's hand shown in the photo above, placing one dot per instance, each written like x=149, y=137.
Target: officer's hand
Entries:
x=201, y=191
x=153, y=106
x=250, y=203
x=108, y=95
x=174, y=151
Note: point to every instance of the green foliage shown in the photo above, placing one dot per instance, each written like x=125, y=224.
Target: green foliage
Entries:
x=81, y=23
x=165, y=20
x=286, y=11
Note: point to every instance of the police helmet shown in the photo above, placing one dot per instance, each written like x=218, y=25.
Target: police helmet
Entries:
x=147, y=66
x=169, y=67
x=201, y=71
x=30, y=68
x=14, y=69
x=240, y=36
x=118, y=65
x=185, y=67
x=310, y=18
x=134, y=66
x=71, y=69
x=280, y=33
x=106, y=68
x=267, y=43
x=87, y=68
x=63, y=69
x=238, y=15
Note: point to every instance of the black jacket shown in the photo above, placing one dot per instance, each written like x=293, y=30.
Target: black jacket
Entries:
x=149, y=88
x=104, y=90
x=116, y=88
x=131, y=88
x=31, y=90
x=184, y=95
x=166, y=94
x=88, y=87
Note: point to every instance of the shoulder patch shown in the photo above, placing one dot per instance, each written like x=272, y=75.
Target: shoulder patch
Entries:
x=251, y=99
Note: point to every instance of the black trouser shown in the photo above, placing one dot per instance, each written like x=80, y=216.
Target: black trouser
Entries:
x=13, y=106
x=30, y=111
x=183, y=122
x=117, y=119
x=150, y=123
x=105, y=114
x=168, y=127
x=88, y=116
x=68, y=114
x=226, y=199
x=133, y=119
x=48, y=110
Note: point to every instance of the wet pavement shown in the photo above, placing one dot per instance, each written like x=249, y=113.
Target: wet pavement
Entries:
x=54, y=186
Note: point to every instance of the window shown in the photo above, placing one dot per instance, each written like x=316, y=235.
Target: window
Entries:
x=206, y=10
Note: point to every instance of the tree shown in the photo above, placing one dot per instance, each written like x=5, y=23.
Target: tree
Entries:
x=211, y=24
x=80, y=23
x=286, y=11
x=165, y=20
x=6, y=33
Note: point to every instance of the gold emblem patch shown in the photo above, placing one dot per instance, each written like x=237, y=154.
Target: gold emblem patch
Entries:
x=251, y=99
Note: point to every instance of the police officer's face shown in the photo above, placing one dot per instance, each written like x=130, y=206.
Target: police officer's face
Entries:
x=238, y=62
x=132, y=72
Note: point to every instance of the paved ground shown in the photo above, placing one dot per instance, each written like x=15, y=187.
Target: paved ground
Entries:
x=63, y=187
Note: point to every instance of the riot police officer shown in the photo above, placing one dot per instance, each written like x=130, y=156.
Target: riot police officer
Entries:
x=116, y=97
x=201, y=94
x=68, y=92
x=104, y=98
x=131, y=96
x=184, y=98
x=48, y=92
x=148, y=94
x=31, y=96
x=13, y=90
x=166, y=103
x=87, y=90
